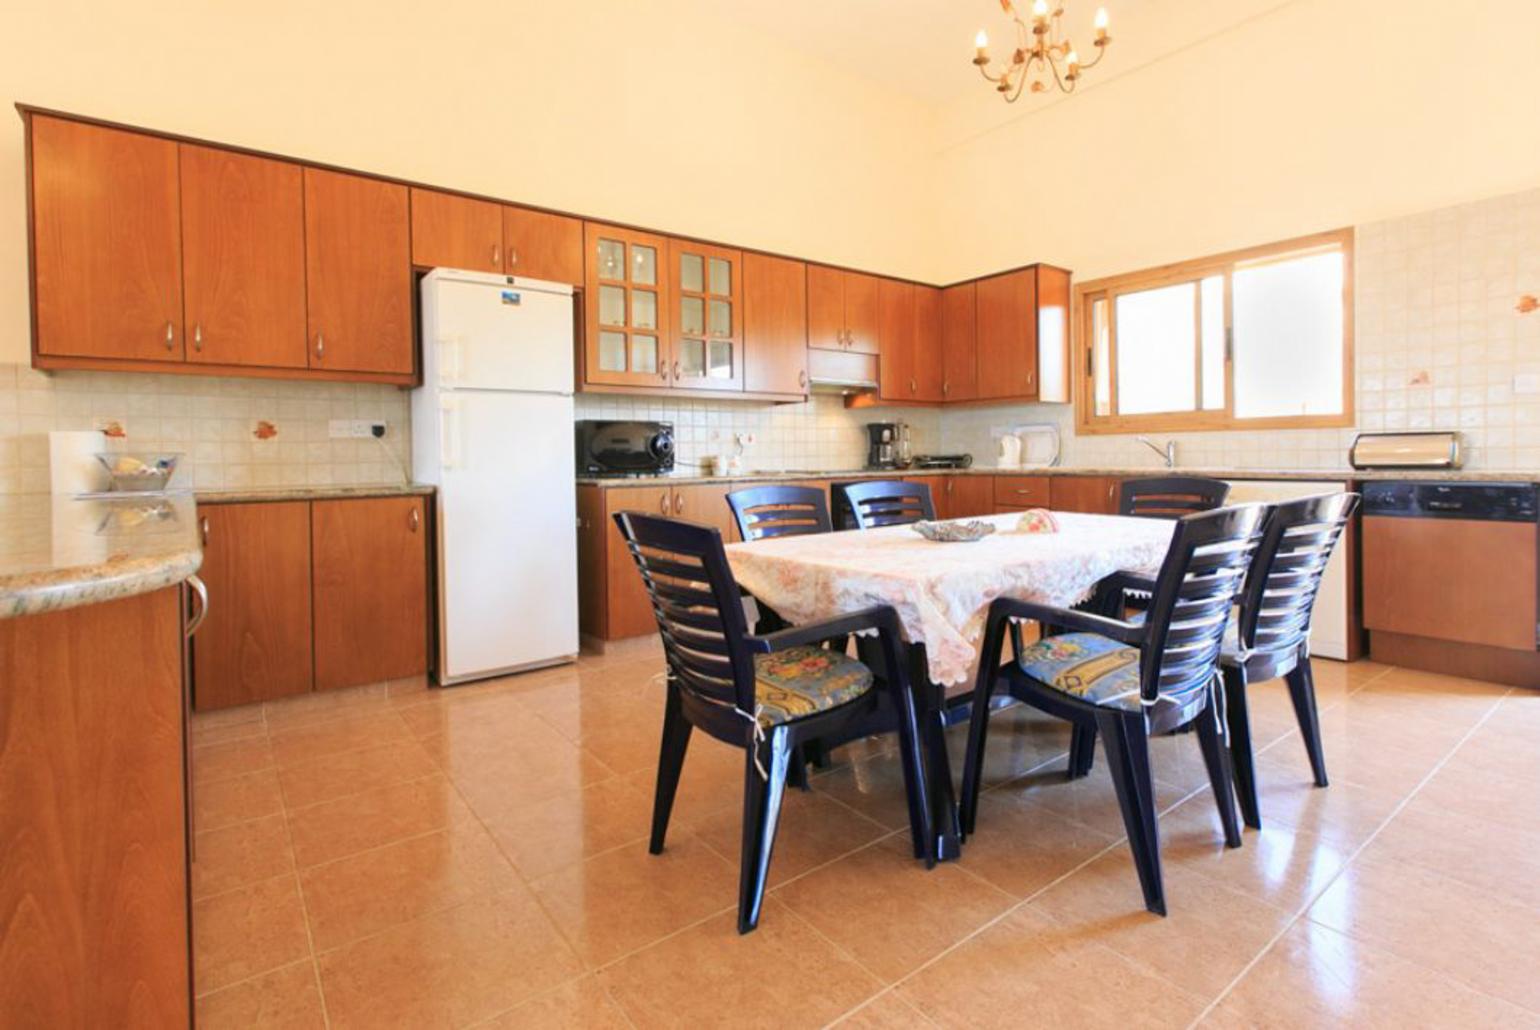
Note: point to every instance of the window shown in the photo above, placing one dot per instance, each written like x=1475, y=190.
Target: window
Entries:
x=1256, y=338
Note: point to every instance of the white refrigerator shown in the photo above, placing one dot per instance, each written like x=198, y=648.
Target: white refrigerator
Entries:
x=492, y=430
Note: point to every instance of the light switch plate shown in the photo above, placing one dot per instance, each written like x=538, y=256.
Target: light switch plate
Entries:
x=353, y=428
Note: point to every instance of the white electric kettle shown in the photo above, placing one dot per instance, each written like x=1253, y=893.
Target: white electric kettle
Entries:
x=1010, y=451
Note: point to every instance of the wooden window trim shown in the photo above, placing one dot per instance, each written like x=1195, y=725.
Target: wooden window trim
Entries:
x=1089, y=423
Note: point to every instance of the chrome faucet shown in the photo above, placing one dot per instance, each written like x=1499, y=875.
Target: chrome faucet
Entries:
x=1168, y=453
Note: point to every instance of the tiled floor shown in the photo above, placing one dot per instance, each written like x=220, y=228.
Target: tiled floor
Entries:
x=394, y=856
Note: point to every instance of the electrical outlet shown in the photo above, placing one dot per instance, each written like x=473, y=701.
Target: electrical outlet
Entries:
x=354, y=429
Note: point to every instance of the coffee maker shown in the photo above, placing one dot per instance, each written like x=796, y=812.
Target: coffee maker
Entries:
x=882, y=445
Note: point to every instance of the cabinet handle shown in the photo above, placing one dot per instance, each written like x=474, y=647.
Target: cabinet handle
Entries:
x=170, y=336
x=497, y=256
x=203, y=529
x=676, y=371
x=912, y=387
x=802, y=379
x=1110, y=488
x=202, y=591
x=513, y=257
x=678, y=503
x=663, y=503
x=946, y=388
x=320, y=345
x=198, y=337
x=414, y=520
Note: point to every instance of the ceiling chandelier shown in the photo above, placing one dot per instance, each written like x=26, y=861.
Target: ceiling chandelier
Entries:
x=1043, y=53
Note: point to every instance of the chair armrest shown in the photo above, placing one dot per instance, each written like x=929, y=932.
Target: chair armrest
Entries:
x=1129, y=581
x=881, y=618
x=1068, y=618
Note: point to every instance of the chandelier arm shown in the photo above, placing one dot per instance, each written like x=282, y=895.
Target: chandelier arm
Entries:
x=1101, y=52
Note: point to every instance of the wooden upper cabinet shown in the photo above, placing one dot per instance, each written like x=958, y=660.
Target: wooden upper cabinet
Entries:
x=254, y=644
x=825, y=307
x=107, y=258
x=774, y=325
x=897, y=378
x=450, y=231
x=863, y=312
x=1053, y=379
x=369, y=574
x=706, y=316
x=626, y=307
x=959, y=343
x=358, y=273
x=243, y=259
x=1007, y=335
x=541, y=245
x=929, y=364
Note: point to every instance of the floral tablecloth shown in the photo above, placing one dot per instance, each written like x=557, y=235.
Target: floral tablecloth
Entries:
x=942, y=591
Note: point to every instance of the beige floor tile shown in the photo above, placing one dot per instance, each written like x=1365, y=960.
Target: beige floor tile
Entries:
x=565, y=829
x=241, y=854
x=247, y=931
x=1467, y=786
x=813, y=830
x=346, y=826
x=241, y=724
x=1346, y=813
x=1020, y=740
x=501, y=773
x=322, y=705
x=373, y=890
x=578, y=1005
x=216, y=762
x=449, y=969
x=482, y=713
x=887, y=1011
x=872, y=785
x=284, y=999
x=711, y=976
x=347, y=732
x=1502, y=860
x=1027, y=969
x=1315, y=977
x=1020, y=846
x=313, y=780
x=1483, y=940
x=1090, y=800
x=883, y=906
x=235, y=800
x=625, y=899
x=712, y=780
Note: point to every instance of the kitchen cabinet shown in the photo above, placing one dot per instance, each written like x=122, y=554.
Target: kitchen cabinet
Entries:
x=541, y=245
x=1094, y=494
x=959, y=343
x=369, y=567
x=1018, y=493
x=774, y=325
x=844, y=310
x=1023, y=335
x=706, y=316
x=626, y=289
x=961, y=497
x=910, y=367
x=254, y=644
x=929, y=356
x=243, y=259
x=358, y=273
x=107, y=244
x=451, y=231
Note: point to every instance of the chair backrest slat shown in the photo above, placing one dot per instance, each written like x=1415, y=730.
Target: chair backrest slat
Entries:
x=888, y=502
x=771, y=511
x=1170, y=497
x=1285, y=577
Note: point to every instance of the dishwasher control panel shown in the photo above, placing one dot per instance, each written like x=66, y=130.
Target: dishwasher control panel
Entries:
x=1482, y=502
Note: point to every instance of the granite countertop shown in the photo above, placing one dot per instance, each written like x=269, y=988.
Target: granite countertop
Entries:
x=1337, y=474
x=60, y=552
x=238, y=494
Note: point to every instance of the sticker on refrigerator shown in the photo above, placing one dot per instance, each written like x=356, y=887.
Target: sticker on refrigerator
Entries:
x=511, y=297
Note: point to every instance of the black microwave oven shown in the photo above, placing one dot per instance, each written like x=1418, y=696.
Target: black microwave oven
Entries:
x=624, y=448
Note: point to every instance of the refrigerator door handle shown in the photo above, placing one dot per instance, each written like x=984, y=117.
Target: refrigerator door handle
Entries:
x=451, y=359
x=451, y=444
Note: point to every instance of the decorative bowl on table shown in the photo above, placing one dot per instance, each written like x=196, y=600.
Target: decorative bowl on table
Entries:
x=137, y=473
x=959, y=531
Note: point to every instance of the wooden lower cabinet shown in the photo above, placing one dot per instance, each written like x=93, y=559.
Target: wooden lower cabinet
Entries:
x=1097, y=495
x=1018, y=493
x=93, y=817
x=255, y=643
x=369, y=564
x=960, y=497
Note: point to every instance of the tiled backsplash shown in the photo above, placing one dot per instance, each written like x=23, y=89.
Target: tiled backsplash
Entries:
x=1439, y=345
x=819, y=434
x=213, y=423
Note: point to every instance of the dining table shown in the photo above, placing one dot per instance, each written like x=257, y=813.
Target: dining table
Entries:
x=941, y=592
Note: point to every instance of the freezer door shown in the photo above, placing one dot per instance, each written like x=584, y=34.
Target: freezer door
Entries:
x=497, y=336
x=507, y=534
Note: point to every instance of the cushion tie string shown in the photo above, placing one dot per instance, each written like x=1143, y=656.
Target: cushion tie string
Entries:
x=756, y=737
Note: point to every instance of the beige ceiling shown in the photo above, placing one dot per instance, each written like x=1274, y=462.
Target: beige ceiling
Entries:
x=922, y=48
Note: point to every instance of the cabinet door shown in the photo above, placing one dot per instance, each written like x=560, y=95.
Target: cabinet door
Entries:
x=959, y=343
x=1096, y=495
x=629, y=611
x=255, y=643
x=929, y=370
x=970, y=496
x=774, y=325
x=541, y=245
x=825, y=307
x=1007, y=336
x=369, y=574
x=243, y=259
x=626, y=343
x=707, y=504
x=1053, y=334
x=896, y=374
x=449, y=231
x=358, y=273
x=107, y=252
x=1022, y=492
x=863, y=312
x=707, y=316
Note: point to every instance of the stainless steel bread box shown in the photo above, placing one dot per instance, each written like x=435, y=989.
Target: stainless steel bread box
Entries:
x=1439, y=450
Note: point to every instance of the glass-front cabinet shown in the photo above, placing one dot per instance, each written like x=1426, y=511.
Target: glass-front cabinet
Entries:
x=626, y=338
x=707, y=316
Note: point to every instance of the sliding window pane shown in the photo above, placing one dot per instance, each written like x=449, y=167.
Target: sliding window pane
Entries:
x=1157, y=337
x=1213, y=289
x=1101, y=364
x=1288, y=337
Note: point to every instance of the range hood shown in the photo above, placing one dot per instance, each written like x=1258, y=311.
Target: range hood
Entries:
x=841, y=371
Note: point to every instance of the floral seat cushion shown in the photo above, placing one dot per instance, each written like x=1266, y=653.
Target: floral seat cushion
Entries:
x=803, y=681
x=1089, y=666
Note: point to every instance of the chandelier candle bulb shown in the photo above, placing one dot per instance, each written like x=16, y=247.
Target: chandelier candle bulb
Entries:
x=981, y=48
x=1101, y=26
x=1044, y=55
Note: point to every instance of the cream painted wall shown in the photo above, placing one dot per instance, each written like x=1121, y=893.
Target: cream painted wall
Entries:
x=1311, y=115
x=661, y=113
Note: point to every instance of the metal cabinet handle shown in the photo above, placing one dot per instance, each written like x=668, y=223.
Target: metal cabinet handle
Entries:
x=678, y=503
x=497, y=256
x=198, y=337
x=663, y=504
x=414, y=520
x=170, y=336
x=802, y=379
x=203, y=529
x=202, y=591
x=946, y=388
x=676, y=371
x=320, y=345
x=513, y=257
x=663, y=372
x=913, y=386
